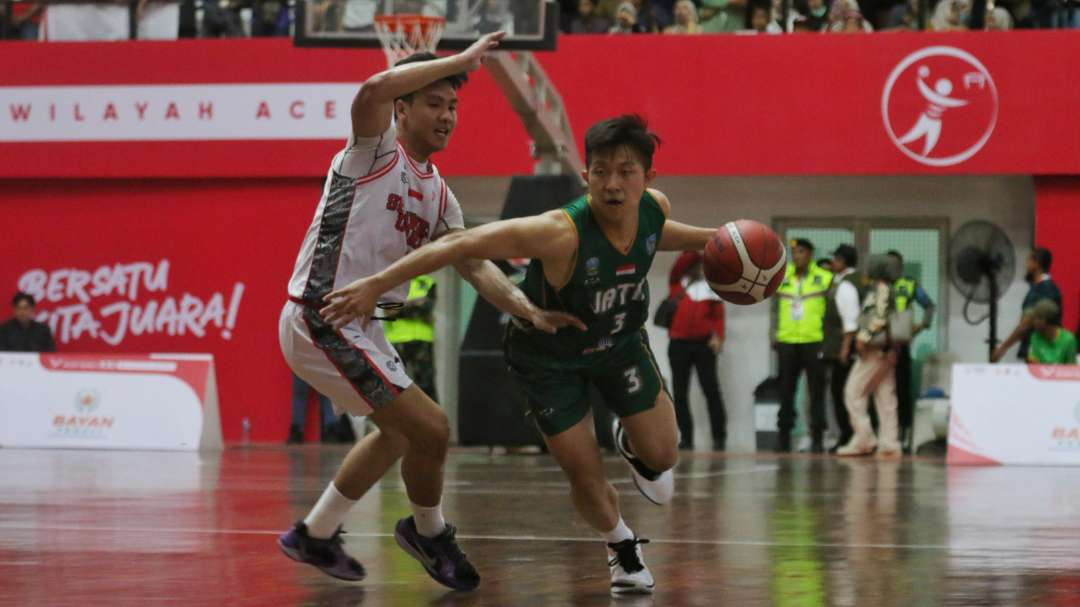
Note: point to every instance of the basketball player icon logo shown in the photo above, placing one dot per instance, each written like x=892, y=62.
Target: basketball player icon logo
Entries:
x=939, y=106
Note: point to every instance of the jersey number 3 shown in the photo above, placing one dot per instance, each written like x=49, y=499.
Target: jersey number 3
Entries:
x=633, y=380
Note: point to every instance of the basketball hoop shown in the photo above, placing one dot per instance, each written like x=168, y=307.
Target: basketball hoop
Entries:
x=403, y=35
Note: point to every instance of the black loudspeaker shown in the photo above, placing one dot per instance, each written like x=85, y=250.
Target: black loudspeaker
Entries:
x=491, y=408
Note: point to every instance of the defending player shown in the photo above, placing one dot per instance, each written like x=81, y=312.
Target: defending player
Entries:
x=590, y=259
x=383, y=198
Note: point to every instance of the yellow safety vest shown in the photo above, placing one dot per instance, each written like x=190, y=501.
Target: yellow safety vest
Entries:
x=903, y=292
x=404, y=330
x=801, y=306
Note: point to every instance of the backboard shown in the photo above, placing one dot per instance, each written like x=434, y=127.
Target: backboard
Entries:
x=530, y=24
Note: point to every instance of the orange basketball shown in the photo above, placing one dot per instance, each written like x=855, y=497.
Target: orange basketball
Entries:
x=744, y=262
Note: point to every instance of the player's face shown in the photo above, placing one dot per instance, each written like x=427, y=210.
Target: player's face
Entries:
x=430, y=118
x=617, y=179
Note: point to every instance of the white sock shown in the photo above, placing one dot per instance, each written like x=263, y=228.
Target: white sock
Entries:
x=328, y=513
x=619, y=534
x=429, y=521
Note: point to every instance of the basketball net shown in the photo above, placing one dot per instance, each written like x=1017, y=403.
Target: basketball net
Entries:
x=403, y=35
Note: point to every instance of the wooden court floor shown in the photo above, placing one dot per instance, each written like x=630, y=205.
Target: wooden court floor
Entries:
x=154, y=528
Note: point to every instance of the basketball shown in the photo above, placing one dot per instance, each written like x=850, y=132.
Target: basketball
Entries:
x=744, y=262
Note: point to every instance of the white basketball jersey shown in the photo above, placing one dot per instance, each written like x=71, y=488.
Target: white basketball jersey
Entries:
x=377, y=205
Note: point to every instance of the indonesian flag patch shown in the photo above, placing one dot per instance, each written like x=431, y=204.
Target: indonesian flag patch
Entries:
x=627, y=270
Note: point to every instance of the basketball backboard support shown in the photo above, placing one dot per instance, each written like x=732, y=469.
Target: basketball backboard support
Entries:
x=530, y=24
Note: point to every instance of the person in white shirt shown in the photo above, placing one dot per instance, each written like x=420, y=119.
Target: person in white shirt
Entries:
x=383, y=199
x=841, y=323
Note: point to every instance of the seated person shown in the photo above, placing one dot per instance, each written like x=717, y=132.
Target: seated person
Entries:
x=1051, y=344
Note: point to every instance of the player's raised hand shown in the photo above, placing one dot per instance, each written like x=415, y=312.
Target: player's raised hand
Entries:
x=475, y=54
x=355, y=300
x=550, y=321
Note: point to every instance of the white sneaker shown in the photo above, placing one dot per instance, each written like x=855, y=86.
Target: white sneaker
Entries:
x=629, y=575
x=857, y=447
x=657, y=488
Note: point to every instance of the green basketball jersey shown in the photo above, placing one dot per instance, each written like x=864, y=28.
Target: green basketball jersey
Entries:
x=608, y=290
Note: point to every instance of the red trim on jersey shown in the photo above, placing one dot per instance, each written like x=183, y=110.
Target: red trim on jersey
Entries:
x=413, y=165
x=442, y=201
x=386, y=169
x=417, y=195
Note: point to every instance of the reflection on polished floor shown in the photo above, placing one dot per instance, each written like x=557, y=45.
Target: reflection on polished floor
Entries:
x=150, y=528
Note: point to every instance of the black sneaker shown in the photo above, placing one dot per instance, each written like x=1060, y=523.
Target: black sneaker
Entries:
x=326, y=555
x=783, y=443
x=440, y=555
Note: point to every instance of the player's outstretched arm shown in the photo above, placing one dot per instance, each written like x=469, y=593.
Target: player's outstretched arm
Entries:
x=373, y=105
x=678, y=236
x=494, y=286
x=545, y=236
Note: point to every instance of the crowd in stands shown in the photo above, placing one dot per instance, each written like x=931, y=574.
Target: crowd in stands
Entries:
x=848, y=16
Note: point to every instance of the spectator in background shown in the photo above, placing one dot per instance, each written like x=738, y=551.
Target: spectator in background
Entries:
x=327, y=419
x=22, y=333
x=841, y=323
x=626, y=20
x=651, y=18
x=723, y=16
x=903, y=16
x=1042, y=287
x=950, y=16
x=815, y=14
x=873, y=371
x=25, y=20
x=800, y=330
x=761, y=20
x=221, y=19
x=1051, y=344
x=686, y=19
x=270, y=18
x=998, y=19
x=907, y=291
x=110, y=21
x=588, y=21
x=494, y=16
x=846, y=17
x=697, y=337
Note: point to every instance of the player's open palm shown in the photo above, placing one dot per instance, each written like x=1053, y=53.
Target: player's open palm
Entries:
x=476, y=53
x=355, y=300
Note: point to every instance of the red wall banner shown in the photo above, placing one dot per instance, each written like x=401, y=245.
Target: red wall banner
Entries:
x=168, y=266
x=985, y=102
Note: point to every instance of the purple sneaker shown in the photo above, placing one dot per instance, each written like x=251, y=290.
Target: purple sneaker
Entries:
x=327, y=555
x=440, y=555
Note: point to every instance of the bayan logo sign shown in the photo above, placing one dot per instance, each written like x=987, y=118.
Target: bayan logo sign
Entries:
x=84, y=423
x=939, y=106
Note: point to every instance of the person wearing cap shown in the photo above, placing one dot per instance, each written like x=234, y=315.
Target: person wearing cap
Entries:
x=1051, y=344
x=841, y=322
x=906, y=291
x=800, y=330
x=696, y=339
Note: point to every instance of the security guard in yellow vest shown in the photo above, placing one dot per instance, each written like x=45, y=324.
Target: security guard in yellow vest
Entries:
x=800, y=329
x=907, y=292
x=412, y=333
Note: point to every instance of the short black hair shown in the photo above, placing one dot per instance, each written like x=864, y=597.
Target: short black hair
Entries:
x=1043, y=257
x=456, y=80
x=802, y=242
x=628, y=130
x=896, y=254
x=20, y=297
